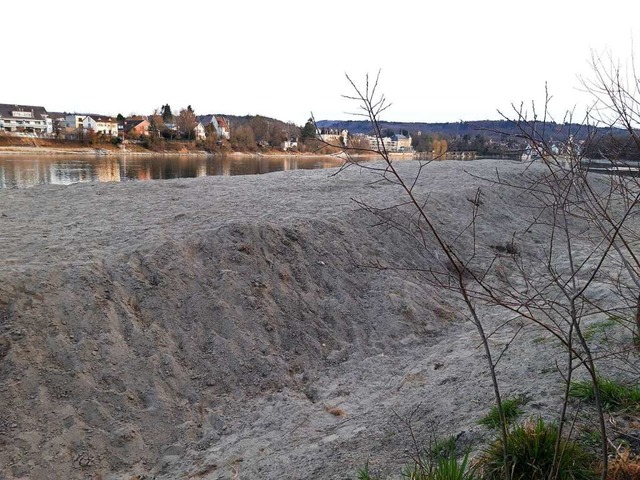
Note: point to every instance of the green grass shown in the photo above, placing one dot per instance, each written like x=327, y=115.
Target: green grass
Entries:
x=590, y=438
x=599, y=328
x=531, y=454
x=539, y=340
x=364, y=474
x=511, y=408
x=439, y=462
x=443, y=448
x=441, y=468
x=613, y=394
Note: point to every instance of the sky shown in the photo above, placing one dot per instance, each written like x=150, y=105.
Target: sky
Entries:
x=443, y=61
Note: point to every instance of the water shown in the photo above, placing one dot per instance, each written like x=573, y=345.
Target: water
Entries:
x=22, y=171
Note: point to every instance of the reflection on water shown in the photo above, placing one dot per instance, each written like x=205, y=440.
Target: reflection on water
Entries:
x=22, y=171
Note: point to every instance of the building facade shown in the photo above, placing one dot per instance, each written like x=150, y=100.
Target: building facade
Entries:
x=25, y=119
x=96, y=123
x=393, y=144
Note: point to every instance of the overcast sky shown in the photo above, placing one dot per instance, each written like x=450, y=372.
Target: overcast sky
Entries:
x=440, y=61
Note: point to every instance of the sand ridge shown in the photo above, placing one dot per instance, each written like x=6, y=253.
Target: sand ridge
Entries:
x=192, y=328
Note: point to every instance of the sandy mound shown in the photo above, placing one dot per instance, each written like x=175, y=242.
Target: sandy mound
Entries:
x=190, y=328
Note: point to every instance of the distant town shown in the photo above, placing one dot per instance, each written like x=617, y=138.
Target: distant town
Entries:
x=185, y=130
x=165, y=131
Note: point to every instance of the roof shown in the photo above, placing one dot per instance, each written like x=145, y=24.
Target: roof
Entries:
x=103, y=118
x=94, y=116
x=130, y=124
x=206, y=119
x=6, y=110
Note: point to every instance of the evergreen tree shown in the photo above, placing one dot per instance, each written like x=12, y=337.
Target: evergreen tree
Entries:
x=308, y=131
x=167, y=116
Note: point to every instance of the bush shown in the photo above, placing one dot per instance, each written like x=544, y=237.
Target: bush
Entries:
x=153, y=143
x=532, y=456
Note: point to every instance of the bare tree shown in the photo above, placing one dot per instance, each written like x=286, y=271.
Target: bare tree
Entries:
x=186, y=122
x=591, y=244
x=455, y=271
x=616, y=91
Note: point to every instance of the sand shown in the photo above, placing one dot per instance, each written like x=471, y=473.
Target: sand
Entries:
x=221, y=326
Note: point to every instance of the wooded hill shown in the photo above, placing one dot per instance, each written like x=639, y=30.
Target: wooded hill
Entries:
x=503, y=137
x=496, y=130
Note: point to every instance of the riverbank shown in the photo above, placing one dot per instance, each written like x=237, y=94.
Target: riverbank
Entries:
x=90, y=151
x=32, y=146
x=196, y=327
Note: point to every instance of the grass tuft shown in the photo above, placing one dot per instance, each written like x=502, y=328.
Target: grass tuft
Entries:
x=511, y=408
x=441, y=468
x=531, y=454
x=443, y=448
x=613, y=394
x=439, y=462
x=364, y=474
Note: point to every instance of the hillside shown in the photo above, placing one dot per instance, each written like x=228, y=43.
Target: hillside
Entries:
x=491, y=129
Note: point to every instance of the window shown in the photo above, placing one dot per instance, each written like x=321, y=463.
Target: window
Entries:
x=20, y=114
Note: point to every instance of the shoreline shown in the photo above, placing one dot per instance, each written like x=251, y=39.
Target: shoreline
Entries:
x=102, y=152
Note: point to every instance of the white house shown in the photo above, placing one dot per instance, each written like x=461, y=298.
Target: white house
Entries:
x=334, y=136
x=396, y=143
x=224, y=131
x=401, y=143
x=25, y=119
x=219, y=124
x=199, y=132
x=289, y=144
x=97, y=123
x=101, y=124
x=73, y=121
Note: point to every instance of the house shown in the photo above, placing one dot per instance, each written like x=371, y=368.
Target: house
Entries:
x=393, y=144
x=137, y=127
x=25, y=119
x=401, y=143
x=89, y=121
x=57, y=121
x=376, y=143
x=333, y=136
x=224, y=131
x=73, y=121
x=199, y=132
x=219, y=124
x=102, y=124
x=289, y=144
x=72, y=125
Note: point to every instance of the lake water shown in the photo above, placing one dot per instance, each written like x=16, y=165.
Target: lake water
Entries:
x=22, y=171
